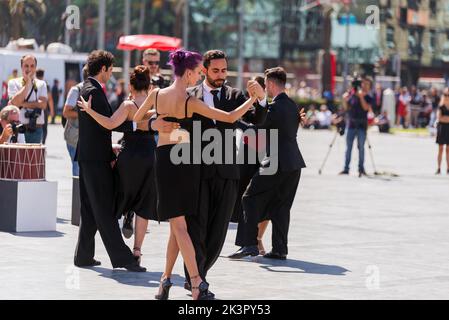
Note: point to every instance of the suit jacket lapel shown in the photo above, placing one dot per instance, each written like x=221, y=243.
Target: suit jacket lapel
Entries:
x=97, y=85
x=199, y=92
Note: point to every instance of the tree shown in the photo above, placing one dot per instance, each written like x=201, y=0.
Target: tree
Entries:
x=22, y=13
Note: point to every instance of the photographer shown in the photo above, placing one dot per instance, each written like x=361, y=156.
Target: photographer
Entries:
x=357, y=103
x=10, y=128
x=30, y=95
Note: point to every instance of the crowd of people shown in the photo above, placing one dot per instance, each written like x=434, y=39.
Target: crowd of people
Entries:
x=198, y=199
x=196, y=196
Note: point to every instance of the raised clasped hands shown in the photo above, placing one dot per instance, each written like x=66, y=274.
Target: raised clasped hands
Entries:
x=255, y=90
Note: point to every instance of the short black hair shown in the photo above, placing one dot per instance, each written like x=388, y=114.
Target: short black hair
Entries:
x=213, y=55
x=97, y=59
x=278, y=75
x=40, y=73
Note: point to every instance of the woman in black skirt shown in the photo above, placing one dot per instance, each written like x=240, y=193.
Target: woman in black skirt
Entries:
x=135, y=188
x=443, y=130
x=178, y=180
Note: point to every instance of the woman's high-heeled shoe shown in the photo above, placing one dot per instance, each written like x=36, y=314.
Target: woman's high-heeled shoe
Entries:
x=203, y=287
x=438, y=172
x=166, y=284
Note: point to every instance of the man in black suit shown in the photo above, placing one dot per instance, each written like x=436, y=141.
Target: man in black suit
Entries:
x=273, y=192
x=94, y=155
x=219, y=181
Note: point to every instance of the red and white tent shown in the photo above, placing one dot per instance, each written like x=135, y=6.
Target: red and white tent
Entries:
x=147, y=41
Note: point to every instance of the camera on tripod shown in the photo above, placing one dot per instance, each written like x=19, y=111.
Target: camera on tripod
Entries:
x=32, y=115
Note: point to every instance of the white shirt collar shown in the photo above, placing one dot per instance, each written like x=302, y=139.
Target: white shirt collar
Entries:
x=208, y=88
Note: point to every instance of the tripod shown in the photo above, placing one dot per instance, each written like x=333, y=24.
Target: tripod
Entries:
x=328, y=153
x=370, y=148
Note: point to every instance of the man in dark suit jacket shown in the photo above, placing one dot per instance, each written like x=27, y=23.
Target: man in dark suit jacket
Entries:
x=273, y=190
x=94, y=155
x=219, y=181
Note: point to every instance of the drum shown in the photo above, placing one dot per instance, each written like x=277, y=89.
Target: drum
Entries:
x=22, y=162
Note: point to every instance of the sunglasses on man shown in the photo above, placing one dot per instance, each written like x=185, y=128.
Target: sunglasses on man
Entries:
x=152, y=63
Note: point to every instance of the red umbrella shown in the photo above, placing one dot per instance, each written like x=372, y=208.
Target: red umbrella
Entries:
x=146, y=41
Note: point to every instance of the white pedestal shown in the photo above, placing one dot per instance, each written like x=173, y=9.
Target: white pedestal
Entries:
x=28, y=206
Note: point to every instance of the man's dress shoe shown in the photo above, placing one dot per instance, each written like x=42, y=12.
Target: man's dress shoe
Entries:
x=135, y=268
x=93, y=263
x=245, y=252
x=275, y=255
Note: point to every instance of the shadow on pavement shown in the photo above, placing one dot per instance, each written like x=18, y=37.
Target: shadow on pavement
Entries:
x=43, y=234
x=140, y=279
x=301, y=267
x=296, y=266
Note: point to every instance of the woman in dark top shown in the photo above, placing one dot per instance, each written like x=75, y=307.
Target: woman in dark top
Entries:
x=177, y=181
x=443, y=130
x=136, y=189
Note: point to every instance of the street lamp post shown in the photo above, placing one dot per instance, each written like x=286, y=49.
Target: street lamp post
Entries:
x=66, y=30
x=185, y=35
x=346, y=61
x=241, y=43
x=127, y=53
x=101, y=23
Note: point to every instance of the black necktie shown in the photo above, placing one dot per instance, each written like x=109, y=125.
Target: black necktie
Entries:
x=216, y=100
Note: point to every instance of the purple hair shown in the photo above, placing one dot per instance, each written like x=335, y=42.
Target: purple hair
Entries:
x=181, y=60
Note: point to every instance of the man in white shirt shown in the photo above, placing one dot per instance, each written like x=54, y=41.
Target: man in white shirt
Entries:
x=30, y=95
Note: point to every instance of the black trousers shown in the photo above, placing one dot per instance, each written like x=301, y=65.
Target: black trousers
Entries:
x=273, y=193
x=97, y=201
x=209, y=227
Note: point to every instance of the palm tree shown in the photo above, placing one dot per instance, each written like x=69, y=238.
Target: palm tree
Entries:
x=21, y=11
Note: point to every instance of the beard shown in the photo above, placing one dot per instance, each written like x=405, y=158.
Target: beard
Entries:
x=217, y=83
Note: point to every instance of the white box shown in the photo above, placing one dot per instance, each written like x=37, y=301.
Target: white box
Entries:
x=28, y=206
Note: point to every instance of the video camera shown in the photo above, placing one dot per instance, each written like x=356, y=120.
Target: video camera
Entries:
x=357, y=84
x=32, y=115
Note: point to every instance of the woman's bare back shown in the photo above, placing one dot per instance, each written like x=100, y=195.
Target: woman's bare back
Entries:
x=172, y=102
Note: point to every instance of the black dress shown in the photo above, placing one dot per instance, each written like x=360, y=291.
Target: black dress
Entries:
x=135, y=180
x=443, y=128
x=177, y=184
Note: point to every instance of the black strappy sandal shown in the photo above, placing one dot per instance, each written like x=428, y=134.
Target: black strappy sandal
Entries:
x=203, y=287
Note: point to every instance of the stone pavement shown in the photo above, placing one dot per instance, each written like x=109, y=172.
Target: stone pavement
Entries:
x=372, y=238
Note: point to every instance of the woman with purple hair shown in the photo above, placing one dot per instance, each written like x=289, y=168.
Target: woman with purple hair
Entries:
x=178, y=184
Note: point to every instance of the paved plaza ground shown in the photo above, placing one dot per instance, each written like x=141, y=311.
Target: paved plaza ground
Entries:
x=383, y=237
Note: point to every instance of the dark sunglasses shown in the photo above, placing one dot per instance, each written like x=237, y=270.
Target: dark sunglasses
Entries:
x=446, y=95
x=153, y=63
